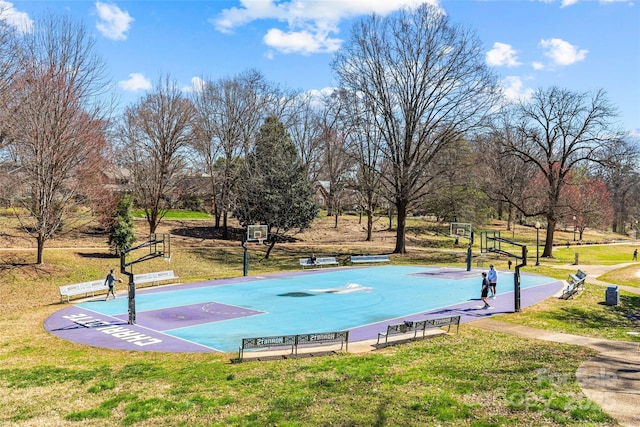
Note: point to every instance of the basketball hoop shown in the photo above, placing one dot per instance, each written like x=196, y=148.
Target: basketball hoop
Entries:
x=257, y=233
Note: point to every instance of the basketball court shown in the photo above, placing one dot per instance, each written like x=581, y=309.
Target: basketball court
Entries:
x=214, y=316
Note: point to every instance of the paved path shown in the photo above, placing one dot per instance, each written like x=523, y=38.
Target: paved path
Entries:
x=612, y=378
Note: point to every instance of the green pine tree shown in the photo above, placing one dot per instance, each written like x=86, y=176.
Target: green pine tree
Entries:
x=273, y=188
x=121, y=230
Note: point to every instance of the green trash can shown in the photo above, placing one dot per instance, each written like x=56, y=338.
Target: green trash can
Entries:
x=612, y=296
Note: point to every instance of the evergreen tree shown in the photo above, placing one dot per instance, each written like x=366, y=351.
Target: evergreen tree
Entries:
x=273, y=187
x=121, y=231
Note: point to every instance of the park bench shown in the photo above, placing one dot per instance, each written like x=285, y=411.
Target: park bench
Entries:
x=365, y=259
x=84, y=288
x=154, y=278
x=294, y=342
x=414, y=327
x=307, y=262
x=575, y=282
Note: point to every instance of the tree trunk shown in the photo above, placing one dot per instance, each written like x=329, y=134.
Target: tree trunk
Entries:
x=216, y=215
x=369, y=225
x=400, y=230
x=225, y=227
x=40, y=251
x=153, y=224
x=272, y=243
x=548, y=244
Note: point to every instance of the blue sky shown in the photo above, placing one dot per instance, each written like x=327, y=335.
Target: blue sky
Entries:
x=582, y=45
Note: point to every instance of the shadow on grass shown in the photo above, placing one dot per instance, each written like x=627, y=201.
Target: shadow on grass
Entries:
x=618, y=316
x=208, y=233
x=99, y=255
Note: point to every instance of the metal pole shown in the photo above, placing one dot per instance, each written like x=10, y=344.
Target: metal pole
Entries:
x=516, y=280
x=469, y=251
x=132, y=301
x=537, y=246
x=245, y=259
x=245, y=267
x=516, y=289
x=131, y=288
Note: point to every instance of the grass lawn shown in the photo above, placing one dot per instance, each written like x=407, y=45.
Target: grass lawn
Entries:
x=476, y=378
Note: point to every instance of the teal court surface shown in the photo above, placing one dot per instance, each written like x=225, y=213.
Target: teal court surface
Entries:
x=214, y=316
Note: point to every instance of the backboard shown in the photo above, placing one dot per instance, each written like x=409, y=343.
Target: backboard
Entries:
x=160, y=245
x=257, y=232
x=460, y=229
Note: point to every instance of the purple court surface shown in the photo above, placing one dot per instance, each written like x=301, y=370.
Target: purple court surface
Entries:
x=215, y=315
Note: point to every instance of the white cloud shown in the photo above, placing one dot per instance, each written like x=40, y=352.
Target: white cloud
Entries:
x=514, y=89
x=197, y=84
x=537, y=65
x=136, y=82
x=20, y=21
x=113, y=22
x=309, y=24
x=562, y=52
x=304, y=42
x=502, y=54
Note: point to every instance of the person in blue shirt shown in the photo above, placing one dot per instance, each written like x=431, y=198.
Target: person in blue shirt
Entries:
x=110, y=281
x=492, y=278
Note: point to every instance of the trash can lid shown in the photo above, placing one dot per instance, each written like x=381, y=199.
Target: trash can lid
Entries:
x=613, y=287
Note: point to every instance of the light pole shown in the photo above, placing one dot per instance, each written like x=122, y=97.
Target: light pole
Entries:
x=537, y=243
x=575, y=225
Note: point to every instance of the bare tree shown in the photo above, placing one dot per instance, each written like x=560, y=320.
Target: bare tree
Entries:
x=206, y=141
x=621, y=174
x=56, y=123
x=426, y=84
x=364, y=144
x=557, y=131
x=306, y=131
x=154, y=134
x=9, y=61
x=336, y=165
x=506, y=178
x=230, y=112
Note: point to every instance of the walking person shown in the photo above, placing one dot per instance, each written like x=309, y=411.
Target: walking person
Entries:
x=110, y=282
x=635, y=254
x=485, y=291
x=492, y=278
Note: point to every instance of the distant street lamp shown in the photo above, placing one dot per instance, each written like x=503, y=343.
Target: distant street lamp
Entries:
x=537, y=243
x=575, y=226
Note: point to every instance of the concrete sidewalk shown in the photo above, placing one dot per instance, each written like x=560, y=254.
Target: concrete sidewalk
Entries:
x=611, y=379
